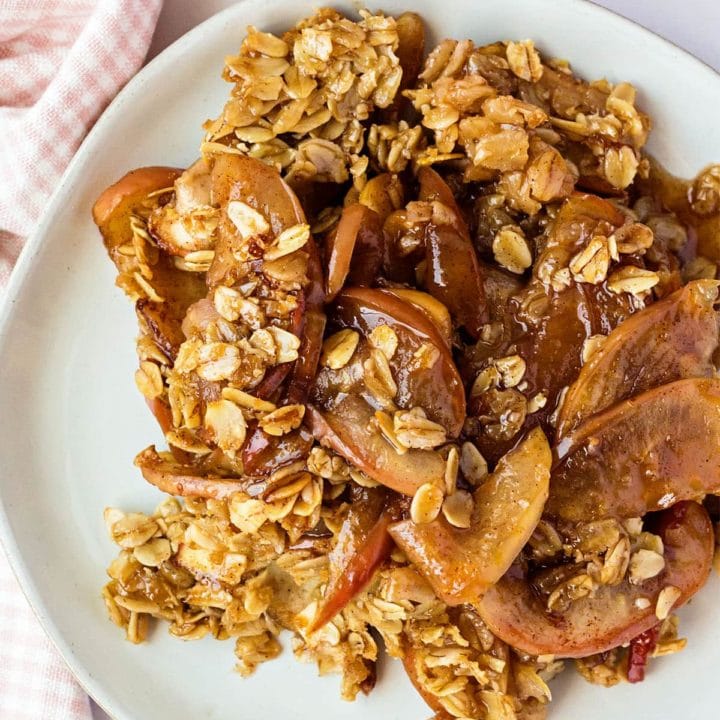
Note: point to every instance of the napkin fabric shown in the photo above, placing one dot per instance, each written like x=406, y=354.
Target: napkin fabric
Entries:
x=61, y=62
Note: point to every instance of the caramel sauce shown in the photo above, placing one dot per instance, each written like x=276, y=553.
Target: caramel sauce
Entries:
x=674, y=195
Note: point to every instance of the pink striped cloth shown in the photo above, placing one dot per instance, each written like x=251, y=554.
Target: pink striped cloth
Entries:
x=61, y=62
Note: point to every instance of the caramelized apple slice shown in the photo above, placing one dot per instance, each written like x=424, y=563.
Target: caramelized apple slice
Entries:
x=404, y=248
x=112, y=213
x=308, y=323
x=134, y=186
x=411, y=46
x=552, y=346
x=238, y=177
x=610, y=618
x=347, y=429
x=262, y=454
x=162, y=321
x=312, y=330
x=169, y=224
x=425, y=375
x=433, y=308
x=162, y=412
x=550, y=338
x=641, y=455
x=253, y=182
x=461, y=564
x=383, y=194
x=434, y=189
x=362, y=546
x=412, y=664
x=185, y=480
x=453, y=276
x=581, y=217
x=670, y=340
x=305, y=367
x=436, y=388
x=453, y=272
x=355, y=249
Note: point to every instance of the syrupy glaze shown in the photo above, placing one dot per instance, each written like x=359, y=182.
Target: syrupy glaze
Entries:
x=674, y=194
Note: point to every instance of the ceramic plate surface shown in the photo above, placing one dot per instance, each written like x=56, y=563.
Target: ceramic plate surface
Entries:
x=73, y=420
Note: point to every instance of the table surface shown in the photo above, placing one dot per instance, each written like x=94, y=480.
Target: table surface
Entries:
x=691, y=24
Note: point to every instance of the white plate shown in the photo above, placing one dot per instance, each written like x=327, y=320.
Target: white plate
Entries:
x=73, y=420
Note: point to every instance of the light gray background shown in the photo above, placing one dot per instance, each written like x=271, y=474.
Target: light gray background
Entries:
x=691, y=24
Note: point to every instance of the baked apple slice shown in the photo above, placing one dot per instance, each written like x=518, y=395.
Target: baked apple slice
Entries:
x=453, y=273
x=348, y=429
x=612, y=617
x=672, y=339
x=355, y=249
x=460, y=564
x=114, y=202
x=436, y=388
x=161, y=320
x=453, y=276
x=641, y=455
x=113, y=212
x=185, y=480
x=363, y=544
x=342, y=411
x=432, y=307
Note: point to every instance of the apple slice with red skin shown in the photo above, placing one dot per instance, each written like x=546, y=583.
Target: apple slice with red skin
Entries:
x=341, y=416
x=641, y=455
x=185, y=480
x=180, y=290
x=363, y=544
x=163, y=414
x=311, y=330
x=355, y=249
x=453, y=276
x=262, y=453
x=135, y=185
x=672, y=339
x=410, y=663
x=305, y=368
x=236, y=177
x=268, y=387
x=515, y=614
x=346, y=428
x=453, y=273
x=438, y=390
x=112, y=212
x=460, y=564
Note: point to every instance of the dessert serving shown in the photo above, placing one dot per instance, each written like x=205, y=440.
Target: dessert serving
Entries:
x=432, y=344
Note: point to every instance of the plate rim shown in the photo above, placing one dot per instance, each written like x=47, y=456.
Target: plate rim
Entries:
x=38, y=237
